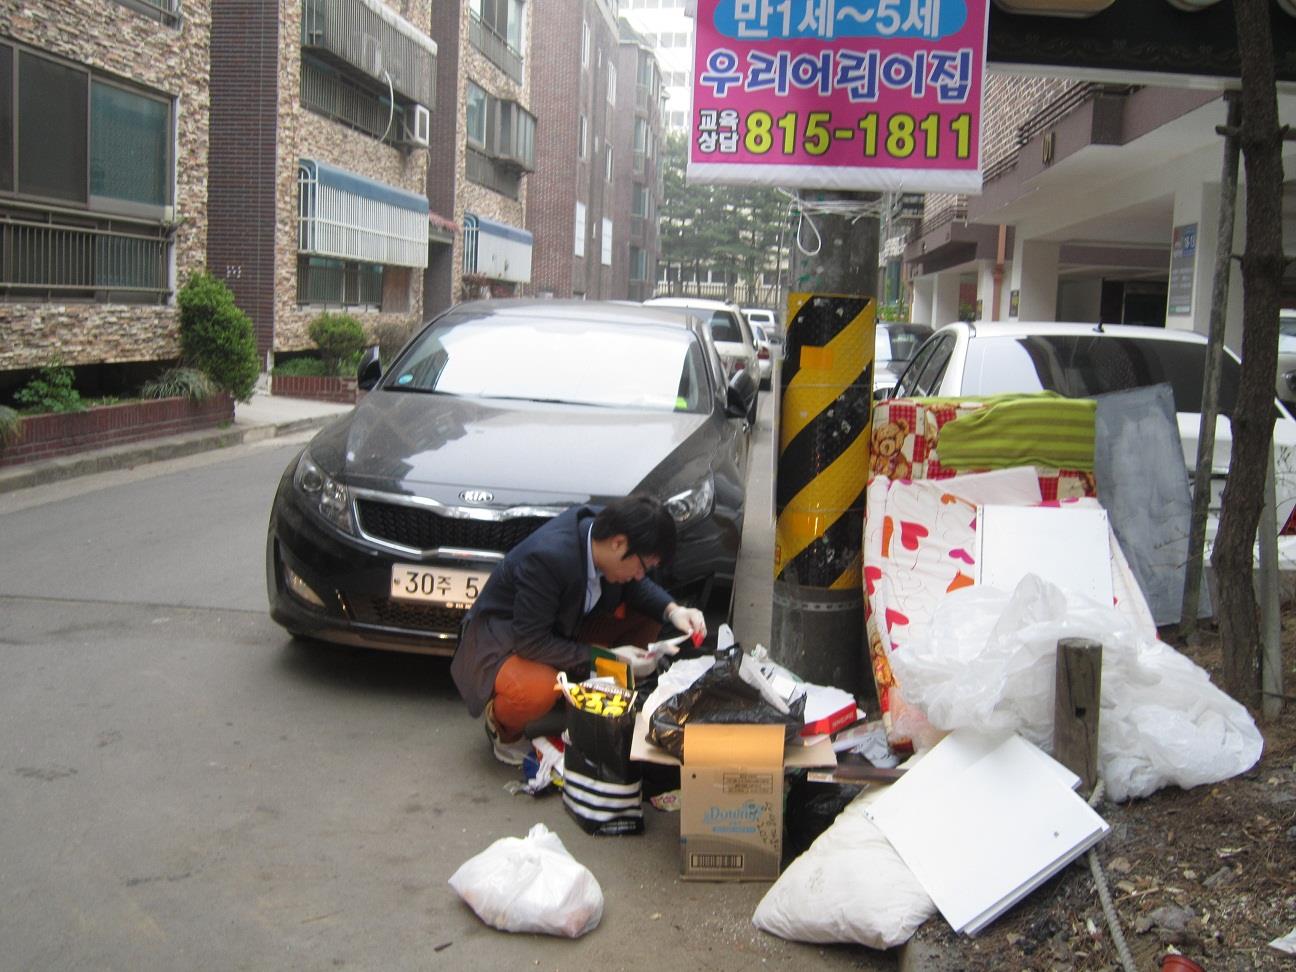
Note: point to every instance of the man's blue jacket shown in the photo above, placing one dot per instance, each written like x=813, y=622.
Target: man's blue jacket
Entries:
x=533, y=603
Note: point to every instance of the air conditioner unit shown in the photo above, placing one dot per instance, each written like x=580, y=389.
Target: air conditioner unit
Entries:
x=418, y=125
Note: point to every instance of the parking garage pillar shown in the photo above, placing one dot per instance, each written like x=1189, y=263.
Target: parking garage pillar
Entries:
x=825, y=397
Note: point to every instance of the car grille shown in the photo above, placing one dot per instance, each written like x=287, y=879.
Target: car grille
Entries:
x=401, y=614
x=423, y=529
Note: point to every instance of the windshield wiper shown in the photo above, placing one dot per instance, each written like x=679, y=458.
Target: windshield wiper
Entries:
x=546, y=401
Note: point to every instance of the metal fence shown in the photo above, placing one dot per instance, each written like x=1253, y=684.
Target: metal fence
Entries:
x=45, y=261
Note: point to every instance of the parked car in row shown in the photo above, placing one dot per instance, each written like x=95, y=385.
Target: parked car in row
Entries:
x=1082, y=360
x=894, y=345
x=1287, y=358
x=764, y=355
x=729, y=330
x=763, y=317
x=495, y=417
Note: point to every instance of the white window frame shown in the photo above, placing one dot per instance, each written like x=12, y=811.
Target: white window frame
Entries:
x=606, y=255
x=580, y=228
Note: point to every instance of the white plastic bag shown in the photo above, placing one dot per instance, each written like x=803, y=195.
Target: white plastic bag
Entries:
x=531, y=884
x=850, y=886
x=988, y=663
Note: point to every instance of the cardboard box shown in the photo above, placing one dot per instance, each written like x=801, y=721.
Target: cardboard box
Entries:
x=731, y=816
x=731, y=783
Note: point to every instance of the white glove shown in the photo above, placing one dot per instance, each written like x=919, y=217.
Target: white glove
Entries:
x=689, y=620
x=641, y=663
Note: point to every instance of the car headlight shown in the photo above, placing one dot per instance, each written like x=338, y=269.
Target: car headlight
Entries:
x=324, y=494
x=694, y=503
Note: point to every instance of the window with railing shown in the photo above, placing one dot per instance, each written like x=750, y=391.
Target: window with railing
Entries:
x=329, y=93
x=496, y=28
x=638, y=264
x=326, y=282
x=86, y=183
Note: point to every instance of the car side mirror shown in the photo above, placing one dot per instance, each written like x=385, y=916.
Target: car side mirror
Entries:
x=370, y=371
x=740, y=394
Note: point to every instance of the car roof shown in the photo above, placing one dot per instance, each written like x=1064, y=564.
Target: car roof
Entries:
x=1052, y=328
x=705, y=303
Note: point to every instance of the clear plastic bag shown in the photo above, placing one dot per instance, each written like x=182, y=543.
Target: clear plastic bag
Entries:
x=531, y=884
x=988, y=663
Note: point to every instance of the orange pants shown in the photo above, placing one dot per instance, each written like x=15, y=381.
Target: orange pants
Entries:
x=525, y=690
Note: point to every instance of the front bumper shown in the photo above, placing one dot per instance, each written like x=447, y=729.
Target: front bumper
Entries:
x=351, y=579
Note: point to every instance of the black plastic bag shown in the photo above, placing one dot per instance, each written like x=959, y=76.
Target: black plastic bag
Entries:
x=809, y=809
x=719, y=696
x=602, y=787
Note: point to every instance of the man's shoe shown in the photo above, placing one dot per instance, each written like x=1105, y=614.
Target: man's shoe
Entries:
x=509, y=753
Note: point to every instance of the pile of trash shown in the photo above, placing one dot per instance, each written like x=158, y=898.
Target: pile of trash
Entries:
x=971, y=577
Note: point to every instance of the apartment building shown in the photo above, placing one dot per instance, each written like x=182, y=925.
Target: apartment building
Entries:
x=321, y=117
x=668, y=29
x=483, y=148
x=103, y=183
x=596, y=189
x=1102, y=170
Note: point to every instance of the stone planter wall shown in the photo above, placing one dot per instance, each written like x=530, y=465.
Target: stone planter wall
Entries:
x=64, y=433
x=318, y=388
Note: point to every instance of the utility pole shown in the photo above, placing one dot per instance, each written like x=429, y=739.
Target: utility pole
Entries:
x=825, y=392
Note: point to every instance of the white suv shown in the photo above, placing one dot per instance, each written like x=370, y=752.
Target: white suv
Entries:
x=730, y=333
x=1081, y=360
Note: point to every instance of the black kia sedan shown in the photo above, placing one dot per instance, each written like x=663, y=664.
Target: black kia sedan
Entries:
x=495, y=417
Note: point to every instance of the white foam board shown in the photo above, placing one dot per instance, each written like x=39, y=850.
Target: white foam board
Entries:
x=982, y=821
x=1065, y=545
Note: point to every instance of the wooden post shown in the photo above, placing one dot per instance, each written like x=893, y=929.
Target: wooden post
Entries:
x=1076, y=697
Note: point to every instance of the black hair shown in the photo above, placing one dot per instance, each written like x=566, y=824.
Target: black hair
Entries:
x=647, y=526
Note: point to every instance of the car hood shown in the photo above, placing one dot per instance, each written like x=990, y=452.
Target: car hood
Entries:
x=523, y=452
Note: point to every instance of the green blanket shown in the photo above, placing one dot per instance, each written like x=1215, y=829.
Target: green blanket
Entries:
x=1044, y=429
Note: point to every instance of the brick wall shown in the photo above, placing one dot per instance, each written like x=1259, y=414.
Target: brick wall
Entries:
x=317, y=388
x=60, y=434
x=244, y=131
x=559, y=98
x=168, y=60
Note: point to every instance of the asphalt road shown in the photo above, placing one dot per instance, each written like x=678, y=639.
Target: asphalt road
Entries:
x=182, y=786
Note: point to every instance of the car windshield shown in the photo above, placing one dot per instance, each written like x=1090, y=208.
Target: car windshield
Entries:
x=1080, y=366
x=541, y=359
x=897, y=342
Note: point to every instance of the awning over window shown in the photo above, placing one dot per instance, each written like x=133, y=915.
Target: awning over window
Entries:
x=349, y=216
x=497, y=250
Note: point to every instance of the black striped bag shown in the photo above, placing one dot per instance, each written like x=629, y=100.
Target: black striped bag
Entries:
x=602, y=789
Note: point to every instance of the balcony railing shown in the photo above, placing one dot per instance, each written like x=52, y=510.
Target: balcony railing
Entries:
x=375, y=41
x=495, y=47
x=332, y=95
x=46, y=261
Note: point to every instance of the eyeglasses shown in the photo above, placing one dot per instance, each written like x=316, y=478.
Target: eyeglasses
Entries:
x=642, y=566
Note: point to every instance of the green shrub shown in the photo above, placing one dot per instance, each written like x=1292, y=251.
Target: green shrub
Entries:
x=51, y=391
x=339, y=337
x=10, y=426
x=216, y=337
x=187, y=383
x=897, y=310
x=302, y=367
x=390, y=336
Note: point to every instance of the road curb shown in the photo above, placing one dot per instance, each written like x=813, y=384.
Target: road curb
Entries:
x=27, y=475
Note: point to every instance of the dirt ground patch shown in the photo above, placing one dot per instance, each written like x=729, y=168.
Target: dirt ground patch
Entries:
x=1210, y=871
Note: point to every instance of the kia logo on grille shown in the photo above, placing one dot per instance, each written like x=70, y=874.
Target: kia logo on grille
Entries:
x=476, y=496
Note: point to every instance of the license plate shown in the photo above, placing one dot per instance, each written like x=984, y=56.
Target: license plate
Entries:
x=450, y=586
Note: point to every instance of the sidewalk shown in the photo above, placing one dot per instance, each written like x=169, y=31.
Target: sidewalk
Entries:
x=265, y=416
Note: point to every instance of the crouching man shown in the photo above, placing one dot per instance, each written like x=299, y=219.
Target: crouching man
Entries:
x=576, y=582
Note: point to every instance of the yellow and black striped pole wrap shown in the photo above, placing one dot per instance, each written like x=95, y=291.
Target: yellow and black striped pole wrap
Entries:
x=826, y=403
